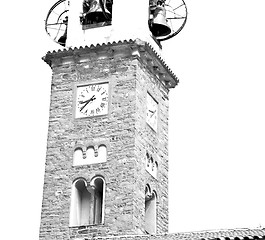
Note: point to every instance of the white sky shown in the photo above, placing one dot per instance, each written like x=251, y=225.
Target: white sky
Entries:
x=217, y=119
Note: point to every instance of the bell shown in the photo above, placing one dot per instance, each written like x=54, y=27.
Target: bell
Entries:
x=95, y=11
x=62, y=39
x=159, y=26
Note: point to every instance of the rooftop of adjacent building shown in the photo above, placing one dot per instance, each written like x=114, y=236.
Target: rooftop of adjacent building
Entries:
x=222, y=234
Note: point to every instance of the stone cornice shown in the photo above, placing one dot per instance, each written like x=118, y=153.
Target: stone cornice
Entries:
x=137, y=48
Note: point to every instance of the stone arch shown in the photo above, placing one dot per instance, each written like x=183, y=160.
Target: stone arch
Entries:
x=78, y=158
x=98, y=184
x=96, y=154
x=90, y=153
x=155, y=169
x=151, y=165
x=87, y=202
x=80, y=203
x=102, y=153
x=148, y=162
x=150, y=210
x=93, y=153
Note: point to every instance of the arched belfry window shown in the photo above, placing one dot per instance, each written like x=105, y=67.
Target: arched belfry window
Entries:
x=96, y=13
x=150, y=210
x=87, y=202
x=80, y=205
x=98, y=185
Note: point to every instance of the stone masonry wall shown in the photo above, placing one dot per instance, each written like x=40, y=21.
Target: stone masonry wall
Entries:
x=127, y=136
x=156, y=143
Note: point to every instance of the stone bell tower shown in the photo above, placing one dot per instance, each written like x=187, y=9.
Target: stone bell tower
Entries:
x=106, y=167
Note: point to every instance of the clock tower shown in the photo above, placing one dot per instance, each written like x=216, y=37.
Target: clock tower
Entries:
x=106, y=167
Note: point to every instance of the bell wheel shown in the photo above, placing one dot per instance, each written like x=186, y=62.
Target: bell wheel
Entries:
x=176, y=17
x=56, y=21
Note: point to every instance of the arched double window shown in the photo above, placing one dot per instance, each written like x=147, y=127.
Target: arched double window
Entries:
x=87, y=202
x=150, y=210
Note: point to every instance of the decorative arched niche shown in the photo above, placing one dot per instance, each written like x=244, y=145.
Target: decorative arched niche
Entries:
x=87, y=202
x=151, y=165
x=92, y=154
x=78, y=157
x=150, y=210
x=96, y=154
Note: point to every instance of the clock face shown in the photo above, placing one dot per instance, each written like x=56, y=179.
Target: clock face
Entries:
x=152, y=112
x=92, y=100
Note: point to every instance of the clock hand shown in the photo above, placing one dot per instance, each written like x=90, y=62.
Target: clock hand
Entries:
x=153, y=112
x=91, y=99
x=86, y=102
x=82, y=102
